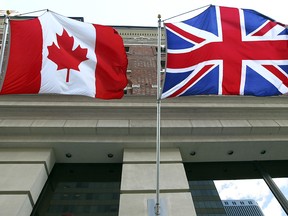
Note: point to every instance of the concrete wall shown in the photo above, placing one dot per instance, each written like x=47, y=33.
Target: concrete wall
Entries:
x=23, y=173
x=138, y=184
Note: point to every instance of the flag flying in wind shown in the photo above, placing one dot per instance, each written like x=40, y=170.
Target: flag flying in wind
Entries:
x=226, y=51
x=58, y=55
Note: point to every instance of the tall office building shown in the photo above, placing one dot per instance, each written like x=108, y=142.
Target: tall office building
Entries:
x=242, y=208
x=206, y=198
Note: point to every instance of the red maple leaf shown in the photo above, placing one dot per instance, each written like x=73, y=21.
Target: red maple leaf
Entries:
x=64, y=56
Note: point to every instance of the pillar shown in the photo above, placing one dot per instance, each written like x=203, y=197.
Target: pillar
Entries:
x=138, y=183
x=23, y=176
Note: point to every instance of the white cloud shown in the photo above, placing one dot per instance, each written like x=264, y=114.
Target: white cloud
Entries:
x=253, y=189
x=282, y=183
x=238, y=188
x=273, y=208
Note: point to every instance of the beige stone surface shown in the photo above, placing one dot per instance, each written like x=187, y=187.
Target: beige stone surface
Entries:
x=132, y=155
x=28, y=155
x=19, y=178
x=24, y=173
x=15, y=205
x=142, y=177
x=177, y=204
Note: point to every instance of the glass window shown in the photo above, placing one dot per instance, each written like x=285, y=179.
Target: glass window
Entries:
x=243, y=185
x=86, y=189
x=250, y=189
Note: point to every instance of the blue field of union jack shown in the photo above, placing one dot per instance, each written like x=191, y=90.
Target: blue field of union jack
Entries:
x=226, y=51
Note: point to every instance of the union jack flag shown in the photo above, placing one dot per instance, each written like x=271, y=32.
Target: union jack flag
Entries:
x=226, y=51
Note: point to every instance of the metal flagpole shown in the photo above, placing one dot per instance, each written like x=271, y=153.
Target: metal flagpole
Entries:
x=4, y=38
x=157, y=206
x=159, y=210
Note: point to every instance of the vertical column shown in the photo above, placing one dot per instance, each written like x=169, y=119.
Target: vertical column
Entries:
x=23, y=175
x=138, y=183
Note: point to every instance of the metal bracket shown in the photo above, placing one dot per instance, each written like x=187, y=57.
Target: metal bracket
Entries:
x=163, y=211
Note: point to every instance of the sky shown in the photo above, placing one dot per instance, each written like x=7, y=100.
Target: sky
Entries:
x=139, y=13
x=255, y=189
x=144, y=13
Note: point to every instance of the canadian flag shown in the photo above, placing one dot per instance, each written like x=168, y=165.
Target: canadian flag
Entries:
x=53, y=54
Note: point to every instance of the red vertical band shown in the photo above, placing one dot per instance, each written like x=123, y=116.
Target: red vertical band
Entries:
x=25, y=58
x=111, y=63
